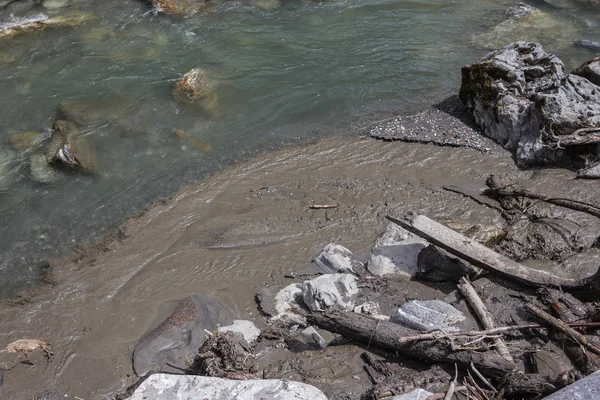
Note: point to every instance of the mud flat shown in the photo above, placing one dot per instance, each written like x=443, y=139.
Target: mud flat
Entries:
x=238, y=231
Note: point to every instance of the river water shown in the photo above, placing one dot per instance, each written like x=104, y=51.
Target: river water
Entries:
x=284, y=73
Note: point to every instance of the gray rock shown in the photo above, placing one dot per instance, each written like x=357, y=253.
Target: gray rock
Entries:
x=313, y=338
x=7, y=159
x=335, y=258
x=522, y=98
x=395, y=253
x=368, y=307
x=177, y=339
x=246, y=328
x=70, y=148
x=331, y=292
x=590, y=70
x=584, y=389
x=40, y=170
x=428, y=315
x=436, y=265
x=592, y=172
x=287, y=300
x=189, y=387
x=417, y=394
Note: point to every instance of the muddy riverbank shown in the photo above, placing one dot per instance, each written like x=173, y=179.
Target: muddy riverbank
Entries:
x=242, y=229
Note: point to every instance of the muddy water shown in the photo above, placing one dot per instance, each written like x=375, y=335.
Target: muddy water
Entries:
x=241, y=229
x=300, y=70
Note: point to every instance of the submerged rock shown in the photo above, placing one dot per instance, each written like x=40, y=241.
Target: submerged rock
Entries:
x=395, y=253
x=40, y=170
x=70, y=148
x=330, y=292
x=24, y=141
x=177, y=339
x=55, y=4
x=197, y=88
x=7, y=58
x=528, y=23
x=188, y=387
x=7, y=158
x=590, y=70
x=428, y=315
x=195, y=143
x=522, y=98
x=335, y=258
x=182, y=6
x=63, y=21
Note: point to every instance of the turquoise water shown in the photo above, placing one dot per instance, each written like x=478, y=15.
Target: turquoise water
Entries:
x=299, y=71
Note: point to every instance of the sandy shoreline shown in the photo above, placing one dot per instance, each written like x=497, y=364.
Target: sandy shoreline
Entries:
x=241, y=229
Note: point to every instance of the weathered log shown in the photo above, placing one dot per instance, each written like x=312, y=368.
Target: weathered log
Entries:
x=487, y=259
x=385, y=335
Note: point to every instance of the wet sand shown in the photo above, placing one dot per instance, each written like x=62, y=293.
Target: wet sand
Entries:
x=236, y=231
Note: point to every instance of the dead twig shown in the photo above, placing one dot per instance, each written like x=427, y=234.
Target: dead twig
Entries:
x=483, y=314
x=453, y=384
x=562, y=327
x=322, y=206
x=482, y=378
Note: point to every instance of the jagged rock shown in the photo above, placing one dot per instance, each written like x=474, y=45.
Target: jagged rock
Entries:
x=590, y=70
x=436, y=265
x=24, y=141
x=40, y=170
x=416, y=394
x=287, y=300
x=428, y=315
x=583, y=389
x=527, y=23
x=395, y=253
x=70, y=148
x=177, y=339
x=197, y=88
x=335, y=258
x=520, y=96
x=189, y=387
x=63, y=21
x=331, y=292
x=246, y=328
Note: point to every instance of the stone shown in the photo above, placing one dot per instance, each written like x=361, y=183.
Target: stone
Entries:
x=7, y=58
x=592, y=172
x=584, y=389
x=67, y=146
x=177, y=339
x=190, y=387
x=24, y=141
x=330, y=292
x=63, y=21
x=335, y=258
x=313, y=338
x=428, y=315
x=40, y=170
x=368, y=308
x=197, y=88
x=416, y=394
x=7, y=159
x=195, y=143
x=527, y=23
x=247, y=328
x=589, y=70
x=395, y=253
x=521, y=97
x=437, y=265
x=287, y=300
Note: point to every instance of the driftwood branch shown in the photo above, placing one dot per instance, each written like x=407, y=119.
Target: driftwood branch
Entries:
x=580, y=137
x=487, y=259
x=562, y=327
x=483, y=314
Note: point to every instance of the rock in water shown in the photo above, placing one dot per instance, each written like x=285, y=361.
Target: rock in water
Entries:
x=7, y=158
x=177, y=339
x=180, y=6
x=590, y=70
x=40, y=170
x=428, y=315
x=63, y=21
x=395, y=253
x=69, y=148
x=189, y=387
x=331, y=292
x=522, y=98
x=335, y=258
x=24, y=141
x=197, y=88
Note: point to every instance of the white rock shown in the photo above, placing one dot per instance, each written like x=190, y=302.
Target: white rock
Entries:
x=286, y=300
x=417, y=394
x=190, y=387
x=395, y=252
x=313, y=338
x=330, y=292
x=246, y=328
x=368, y=307
x=428, y=315
x=335, y=258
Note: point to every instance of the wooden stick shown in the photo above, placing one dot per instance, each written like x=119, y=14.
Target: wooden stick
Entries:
x=483, y=314
x=485, y=258
x=487, y=332
x=322, y=206
x=452, y=387
x=562, y=327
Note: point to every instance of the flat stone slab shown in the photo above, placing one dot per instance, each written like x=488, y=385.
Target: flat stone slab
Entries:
x=428, y=315
x=190, y=387
x=587, y=388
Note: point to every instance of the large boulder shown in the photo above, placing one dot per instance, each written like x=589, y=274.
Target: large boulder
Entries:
x=177, y=339
x=189, y=387
x=522, y=98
